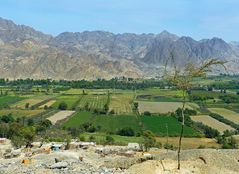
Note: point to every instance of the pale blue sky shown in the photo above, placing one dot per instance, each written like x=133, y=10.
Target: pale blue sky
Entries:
x=196, y=18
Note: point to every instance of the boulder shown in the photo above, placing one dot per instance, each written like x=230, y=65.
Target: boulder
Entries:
x=59, y=165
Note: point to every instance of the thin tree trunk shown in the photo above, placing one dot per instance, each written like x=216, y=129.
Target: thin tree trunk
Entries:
x=182, y=128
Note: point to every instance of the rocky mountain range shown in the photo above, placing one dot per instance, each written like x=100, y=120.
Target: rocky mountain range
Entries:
x=27, y=53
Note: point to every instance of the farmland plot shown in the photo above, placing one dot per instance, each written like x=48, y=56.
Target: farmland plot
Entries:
x=109, y=123
x=60, y=116
x=19, y=113
x=211, y=122
x=121, y=103
x=227, y=114
x=32, y=101
x=70, y=100
x=48, y=104
x=6, y=100
x=160, y=107
x=78, y=119
x=94, y=101
x=160, y=125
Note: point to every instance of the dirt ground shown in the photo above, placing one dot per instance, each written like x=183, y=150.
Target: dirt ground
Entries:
x=190, y=143
x=60, y=116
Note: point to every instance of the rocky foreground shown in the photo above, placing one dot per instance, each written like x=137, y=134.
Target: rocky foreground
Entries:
x=120, y=160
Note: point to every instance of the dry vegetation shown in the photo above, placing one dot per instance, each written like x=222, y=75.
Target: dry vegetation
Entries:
x=211, y=122
x=160, y=107
x=32, y=101
x=48, y=104
x=190, y=143
x=227, y=114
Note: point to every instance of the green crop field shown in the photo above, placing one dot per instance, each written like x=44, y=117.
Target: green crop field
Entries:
x=78, y=119
x=6, y=100
x=121, y=103
x=112, y=124
x=161, y=92
x=70, y=100
x=18, y=113
x=157, y=124
x=94, y=101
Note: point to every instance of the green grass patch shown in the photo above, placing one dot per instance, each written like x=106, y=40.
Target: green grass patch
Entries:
x=19, y=113
x=157, y=124
x=112, y=124
x=78, y=119
x=70, y=100
x=7, y=100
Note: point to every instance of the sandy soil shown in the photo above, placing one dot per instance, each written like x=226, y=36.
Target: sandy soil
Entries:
x=60, y=116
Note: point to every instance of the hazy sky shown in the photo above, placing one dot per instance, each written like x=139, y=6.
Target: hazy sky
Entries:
x=196, y=18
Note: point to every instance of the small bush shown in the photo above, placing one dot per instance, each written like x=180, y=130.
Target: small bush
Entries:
x=62, y=106
x=126, y=132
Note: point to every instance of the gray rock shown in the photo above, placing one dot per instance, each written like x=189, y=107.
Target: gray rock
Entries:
x=59, y=165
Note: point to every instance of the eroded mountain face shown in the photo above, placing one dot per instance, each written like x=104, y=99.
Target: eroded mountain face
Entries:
x=27, y=53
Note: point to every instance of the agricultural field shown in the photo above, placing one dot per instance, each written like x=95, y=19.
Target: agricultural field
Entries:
x=60, y=116
x=112, y=124
x=121, y=103
x=161, y=92
x=78, y=119
x=73, y=92
x=161, y=107
x=7, y=100
x=32, y=101
x=159, y=125
x=227, y=114
x=19, y=113
x=211, y=122
x=105, y=123
x=48, y=104
x=94, y=101
x=70, y=100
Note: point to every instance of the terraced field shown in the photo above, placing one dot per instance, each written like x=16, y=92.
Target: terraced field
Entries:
x=161, y=107
x=211, y=122
x=94, y=101
x=121, y=103
x=227, y=114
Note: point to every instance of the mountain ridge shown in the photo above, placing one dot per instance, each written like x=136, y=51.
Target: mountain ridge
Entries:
x=28, y=53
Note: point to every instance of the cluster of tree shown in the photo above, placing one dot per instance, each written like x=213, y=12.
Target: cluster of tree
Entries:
x=226, y=140
x=199, y=97
x=229, y=98
x=19, y=133
x=208, y=131
x=117, y=83
x=187, y=114
x=231, y=84
x=127, y=131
